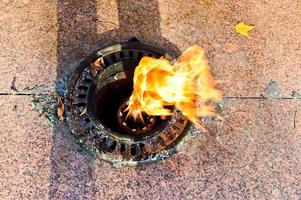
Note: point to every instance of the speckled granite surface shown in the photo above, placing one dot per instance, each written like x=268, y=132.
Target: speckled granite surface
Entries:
x=255, y=153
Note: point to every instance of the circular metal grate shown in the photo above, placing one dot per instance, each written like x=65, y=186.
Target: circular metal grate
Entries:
x=94, y=100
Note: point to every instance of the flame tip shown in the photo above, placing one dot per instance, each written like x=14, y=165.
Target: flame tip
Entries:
x=185, y=84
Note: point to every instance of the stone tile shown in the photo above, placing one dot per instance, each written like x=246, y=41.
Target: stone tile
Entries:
x=28, y=43
x=72, y=168
x=43, y=39
x=253, y=154
x=37, y=160
x=243, y=65
x=24, y=152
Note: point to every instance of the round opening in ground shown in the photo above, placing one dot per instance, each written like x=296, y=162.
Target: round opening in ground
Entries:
x=110, y=99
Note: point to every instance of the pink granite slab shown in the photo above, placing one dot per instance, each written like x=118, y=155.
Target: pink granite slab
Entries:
x=37, y=37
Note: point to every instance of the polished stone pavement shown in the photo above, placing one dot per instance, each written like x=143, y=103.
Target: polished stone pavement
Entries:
x=255, y=153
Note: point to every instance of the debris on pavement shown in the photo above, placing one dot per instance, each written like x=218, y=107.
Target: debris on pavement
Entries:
x=243, y=29
x=272, y=90
x=60, y=108
x=296, y=95
x=97, y=64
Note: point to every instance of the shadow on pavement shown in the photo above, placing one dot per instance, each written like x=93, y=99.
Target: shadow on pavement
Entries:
x=71, y=167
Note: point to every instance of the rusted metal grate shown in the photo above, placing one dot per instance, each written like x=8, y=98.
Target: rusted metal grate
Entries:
x=94, y=104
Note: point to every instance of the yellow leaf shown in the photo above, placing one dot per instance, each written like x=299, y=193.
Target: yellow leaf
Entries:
x=243, y=29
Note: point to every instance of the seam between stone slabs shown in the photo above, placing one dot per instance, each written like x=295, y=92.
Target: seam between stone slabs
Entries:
x=226, y=97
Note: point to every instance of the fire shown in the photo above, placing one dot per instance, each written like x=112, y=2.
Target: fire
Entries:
x=186, y=85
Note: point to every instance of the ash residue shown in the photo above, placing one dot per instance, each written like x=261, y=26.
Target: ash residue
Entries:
x=296, y=95
x=272, y=90
x=195, y=131
x=220, y=107
x=61, y=87
x=38, y=90
x=45, y=99
x=46, y=105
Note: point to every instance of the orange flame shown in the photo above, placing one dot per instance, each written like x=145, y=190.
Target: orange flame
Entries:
x=187, y=84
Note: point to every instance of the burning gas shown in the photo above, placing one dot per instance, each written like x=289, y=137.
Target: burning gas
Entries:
x=187, y=85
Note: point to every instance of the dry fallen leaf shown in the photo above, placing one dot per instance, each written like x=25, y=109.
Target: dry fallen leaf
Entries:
x=83, y=112
x=243, y=29
x=43, y=115
x=97, y=64
x=60, y=108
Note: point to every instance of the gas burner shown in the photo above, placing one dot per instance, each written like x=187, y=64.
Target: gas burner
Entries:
x=134, y=127
x=95, y=109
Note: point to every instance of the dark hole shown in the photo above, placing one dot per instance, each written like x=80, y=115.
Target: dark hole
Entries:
x=108, y=99
x=133, y=150
x=126, y=54
x=107, y=61
x=117, y=56
x=81, y=104
x=82, y=87
x=113, y=57
x=140, y=55
x=131, y=54
x=113, y=146
x=122, y=148
x=81, y=96
x=141, y=145
x=87, y=80
x=86, y=119
x=121, y=54
x=113, y=88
